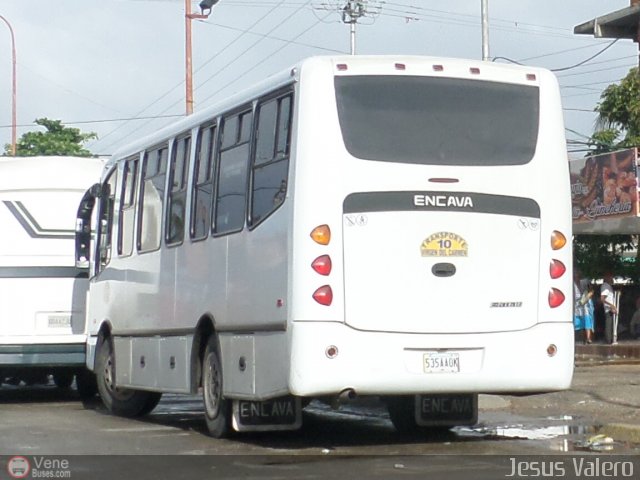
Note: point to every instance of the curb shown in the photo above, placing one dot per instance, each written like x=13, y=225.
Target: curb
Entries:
x=583, y=361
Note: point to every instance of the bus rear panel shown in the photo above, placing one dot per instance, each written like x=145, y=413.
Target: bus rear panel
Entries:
x=444, y=185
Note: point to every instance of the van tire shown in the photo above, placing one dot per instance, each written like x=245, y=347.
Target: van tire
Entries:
x=63, y=379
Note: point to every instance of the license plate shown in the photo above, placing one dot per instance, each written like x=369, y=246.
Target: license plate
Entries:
x=445, y=362
x=447, y=409
x=59, y=321
x=284, y=413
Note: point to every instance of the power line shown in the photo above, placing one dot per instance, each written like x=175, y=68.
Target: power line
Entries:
x=264, y=59
x=562, y=69
x=220, y=70
x=105, y=120
x=182, y=81
x=588, y=59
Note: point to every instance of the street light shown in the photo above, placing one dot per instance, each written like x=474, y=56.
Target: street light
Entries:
x=13, y=87
x=205, y=9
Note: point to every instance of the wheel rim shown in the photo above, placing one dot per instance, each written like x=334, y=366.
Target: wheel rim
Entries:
x=212, y=387
x=109, y=381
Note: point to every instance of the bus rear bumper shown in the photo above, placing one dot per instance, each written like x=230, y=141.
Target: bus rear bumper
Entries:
x=377, y=363
x=35, y=355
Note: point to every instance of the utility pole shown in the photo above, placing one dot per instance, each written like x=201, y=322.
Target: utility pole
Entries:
x=352, y=11
x=485, y=30
x=205, y=7
x=14, y=87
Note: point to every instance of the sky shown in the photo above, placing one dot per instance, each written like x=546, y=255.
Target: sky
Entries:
x=116, y=67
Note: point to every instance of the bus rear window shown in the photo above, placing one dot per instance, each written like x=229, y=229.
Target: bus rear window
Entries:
x=437, y=121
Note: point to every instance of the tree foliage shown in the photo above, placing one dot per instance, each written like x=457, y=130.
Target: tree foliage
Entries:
x=618, y=124
x=595, y=254
x=55, y=140
x=617, y=127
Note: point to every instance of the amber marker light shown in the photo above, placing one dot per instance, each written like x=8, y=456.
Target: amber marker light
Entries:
x=552, y=350
x=558, y=240
x=321, y=234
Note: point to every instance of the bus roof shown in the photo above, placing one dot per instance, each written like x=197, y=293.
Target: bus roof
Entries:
x=49, y=172
x=360, y=64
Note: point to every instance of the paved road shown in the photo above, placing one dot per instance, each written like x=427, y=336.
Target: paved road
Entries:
x=358, y=439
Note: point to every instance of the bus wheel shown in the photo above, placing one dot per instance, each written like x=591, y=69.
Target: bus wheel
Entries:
x=120, y=401
x=216, y=408
x=86, y=384
x=63, y=379
x=151, y=403
x=402, y=413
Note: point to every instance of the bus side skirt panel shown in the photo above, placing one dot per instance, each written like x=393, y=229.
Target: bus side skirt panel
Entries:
x=154, y=363
x=255, y=366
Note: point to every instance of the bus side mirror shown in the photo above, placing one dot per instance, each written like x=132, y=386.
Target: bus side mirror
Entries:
x=83, y=226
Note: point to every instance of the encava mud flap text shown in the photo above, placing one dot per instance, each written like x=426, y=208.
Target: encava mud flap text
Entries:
x=446, y=409
x=283, y=413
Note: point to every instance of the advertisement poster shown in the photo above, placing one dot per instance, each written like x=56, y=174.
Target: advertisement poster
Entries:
x=604, y=186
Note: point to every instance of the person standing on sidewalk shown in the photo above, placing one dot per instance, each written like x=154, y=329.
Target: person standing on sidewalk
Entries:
x=582, y=307
x=608, y=301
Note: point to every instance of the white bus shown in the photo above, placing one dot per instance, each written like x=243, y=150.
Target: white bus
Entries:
x=42, y=293
x=388, y=226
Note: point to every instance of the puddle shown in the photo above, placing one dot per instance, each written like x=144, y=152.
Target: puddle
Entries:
x=562, y=438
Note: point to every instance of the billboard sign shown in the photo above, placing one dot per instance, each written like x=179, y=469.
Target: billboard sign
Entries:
x=604, y=186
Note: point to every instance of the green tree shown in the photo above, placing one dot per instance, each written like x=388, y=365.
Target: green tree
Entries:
x=618, y=124
x=56, y=140
x=617, y=127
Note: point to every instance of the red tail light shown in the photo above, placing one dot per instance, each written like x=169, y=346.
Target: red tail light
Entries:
x=556, y=269
x=322, y=265
x=323, y=295
x=556, y=298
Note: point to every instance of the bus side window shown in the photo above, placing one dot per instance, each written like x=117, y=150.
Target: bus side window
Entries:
x=202, y=194
x=127, y=207
x=232, y=174
x=154, y=172
x=271, y=158
x=105, y=223
x=176, y=207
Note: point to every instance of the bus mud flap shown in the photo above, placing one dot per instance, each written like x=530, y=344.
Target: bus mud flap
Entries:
x=282, y=413
x=446, y=409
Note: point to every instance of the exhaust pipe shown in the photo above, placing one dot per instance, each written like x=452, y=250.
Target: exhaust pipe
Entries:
x=345, y=396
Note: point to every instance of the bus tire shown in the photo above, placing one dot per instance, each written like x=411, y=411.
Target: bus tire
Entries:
x=216, y=408
x=119, y=401
x=151, y=403
x=402, y=413
x=86, y=385
x=63, y=379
